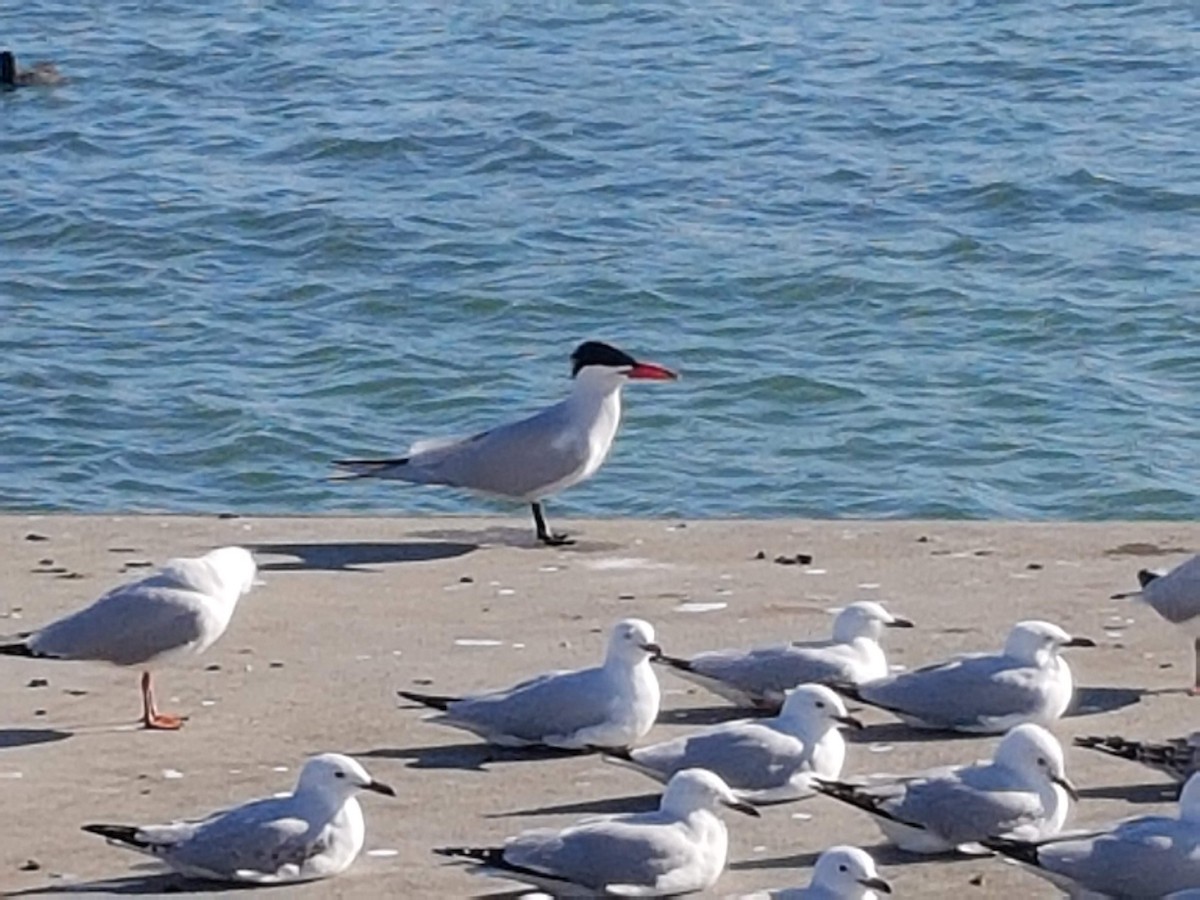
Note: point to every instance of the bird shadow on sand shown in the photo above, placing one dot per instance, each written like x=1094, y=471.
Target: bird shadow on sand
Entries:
x=1157, y=792
x=517, y=539
x=474, y=757
x=355, y=556
x=1090, y=701
x=884, y=854
x=637, y=803
x=11, y=738
x=155, y=884
x=898, y=732
x=707, y=715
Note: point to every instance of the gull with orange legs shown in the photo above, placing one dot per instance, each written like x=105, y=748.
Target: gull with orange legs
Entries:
x=176, y=613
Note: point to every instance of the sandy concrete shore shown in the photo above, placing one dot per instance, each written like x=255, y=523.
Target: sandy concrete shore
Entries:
x=354, y=608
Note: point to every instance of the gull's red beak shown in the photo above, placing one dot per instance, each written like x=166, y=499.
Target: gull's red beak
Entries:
x=651, y=372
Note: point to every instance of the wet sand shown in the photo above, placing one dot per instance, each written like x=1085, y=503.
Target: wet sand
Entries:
x=354, y=608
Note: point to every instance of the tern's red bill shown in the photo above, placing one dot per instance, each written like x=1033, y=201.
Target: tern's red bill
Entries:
x=651, y=372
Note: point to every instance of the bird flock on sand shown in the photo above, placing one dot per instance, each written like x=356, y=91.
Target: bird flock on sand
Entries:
x=789, y=746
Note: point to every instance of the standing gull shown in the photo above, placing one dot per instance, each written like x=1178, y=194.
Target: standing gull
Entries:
x=762, y=760
x=178, y=612
x=1150, y=856
x=985, y=693
x=314, y=832
x=534, y=458
x=760, y=677
x=841, y=873
x=1177, y=757
x=1022, y=792
x=610, y=705
x=1176, y=597
x=680, y=848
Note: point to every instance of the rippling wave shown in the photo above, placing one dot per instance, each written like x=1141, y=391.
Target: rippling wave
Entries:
x=912, y=259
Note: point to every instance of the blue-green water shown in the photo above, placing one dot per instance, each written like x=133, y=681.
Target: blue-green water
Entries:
x=918, y=259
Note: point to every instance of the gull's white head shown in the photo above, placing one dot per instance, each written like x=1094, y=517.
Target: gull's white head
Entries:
x=1189, y=800
x=1035, y=642
x=1032, y=751
x=632, y=642
x=596, y=365
x=234, y=568
x=336, y=777
x=864, y=618
x=815, y=709
x=693, y=789
x=849, y=873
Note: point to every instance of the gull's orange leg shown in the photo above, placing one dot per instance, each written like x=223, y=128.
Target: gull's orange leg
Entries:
x=152, y=718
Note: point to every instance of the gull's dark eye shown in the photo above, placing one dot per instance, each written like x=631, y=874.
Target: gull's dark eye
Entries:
x=820, y=704
x=842, y=868
x=339, y=774
x=1041, y=760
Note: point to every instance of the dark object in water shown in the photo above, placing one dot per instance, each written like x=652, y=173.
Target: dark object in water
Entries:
x=41, y=73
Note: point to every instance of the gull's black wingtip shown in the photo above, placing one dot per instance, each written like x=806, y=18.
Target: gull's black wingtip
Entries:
x=122, y=834
x=433, y=701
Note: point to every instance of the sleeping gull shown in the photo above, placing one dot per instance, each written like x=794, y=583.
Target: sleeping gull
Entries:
x=314, y=832
x=760, y=677
x=178, y=612
x=610, y=705
x=536, y=457
x=1176, y=597
x=841, y=873
x=1177, y=757
x=984, y=693
x=678, y=849
x=762, y=760
x=1149, y=856
x=1022, y=792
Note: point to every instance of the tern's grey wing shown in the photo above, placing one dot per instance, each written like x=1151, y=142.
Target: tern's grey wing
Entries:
x=961, y=692
x=774, y=670
x=1176, y=595
x=519, y=459
x=747, y=755
x=557, y=704
x=258, y=838
x=1150, y=857
x=605, y=852
x=962, y=812
x=129, y=625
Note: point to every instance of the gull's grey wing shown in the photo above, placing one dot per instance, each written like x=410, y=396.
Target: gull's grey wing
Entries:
x=747, y=755
x=259, y=837
x=129, y=625
x=1150, y=857
x=555, y=704
x=605, y=852
x=966, y=805
x=1176, y=595
x=774, y=670
x=519, y=459
x=961, y=692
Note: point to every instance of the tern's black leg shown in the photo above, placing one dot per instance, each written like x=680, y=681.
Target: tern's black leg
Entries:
x=545, y=535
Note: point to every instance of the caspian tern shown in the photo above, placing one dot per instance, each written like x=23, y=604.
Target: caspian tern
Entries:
x=533, y=458
x=1175, y=596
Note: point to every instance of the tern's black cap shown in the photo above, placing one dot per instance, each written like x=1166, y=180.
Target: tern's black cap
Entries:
x=598, y=353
